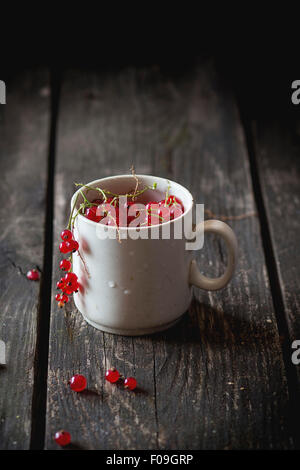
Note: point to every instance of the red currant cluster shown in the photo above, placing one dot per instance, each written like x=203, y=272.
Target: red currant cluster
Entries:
x=68, y=245
x=78, y=383
x=69, y=283
x=153, y=214
x=164, y=210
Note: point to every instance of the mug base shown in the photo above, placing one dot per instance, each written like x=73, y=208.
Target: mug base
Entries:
x=133, y=332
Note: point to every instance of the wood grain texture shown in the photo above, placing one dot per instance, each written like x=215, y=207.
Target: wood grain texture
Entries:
x=216, y=380
x=277, y=145
x=24, y=126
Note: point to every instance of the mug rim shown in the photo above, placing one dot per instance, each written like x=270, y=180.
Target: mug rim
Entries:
x=147, y=227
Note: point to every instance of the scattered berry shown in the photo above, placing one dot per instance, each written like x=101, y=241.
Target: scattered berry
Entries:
x=63, y=438
x=130, y=383
x=66, y=235
x=33, y=275
x=65, y=265
x=112, y=375
x=78, y=383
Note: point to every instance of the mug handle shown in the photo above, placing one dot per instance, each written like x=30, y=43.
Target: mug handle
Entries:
x=222, y=229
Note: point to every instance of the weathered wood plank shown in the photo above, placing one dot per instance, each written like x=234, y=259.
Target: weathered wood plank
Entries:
x=232, y=391
x=24, y=127
x=216, y=380
x=277, y=145
x=100, y=133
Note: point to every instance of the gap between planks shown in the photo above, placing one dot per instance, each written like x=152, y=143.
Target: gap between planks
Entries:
x=39, y=398
x=273, y=275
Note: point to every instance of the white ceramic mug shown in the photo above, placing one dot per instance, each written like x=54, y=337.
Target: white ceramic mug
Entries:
x=140, y=286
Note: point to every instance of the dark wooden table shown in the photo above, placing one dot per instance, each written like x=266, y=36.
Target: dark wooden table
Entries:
x=223, y=377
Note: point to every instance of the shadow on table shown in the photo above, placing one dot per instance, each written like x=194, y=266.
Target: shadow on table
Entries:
x=215, y=328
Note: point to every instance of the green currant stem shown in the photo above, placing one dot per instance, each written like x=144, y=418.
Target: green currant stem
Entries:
x=118, y=231
x=84, y=198
x=106, y=191
x=70, y=218
x=91, y=188
x=167, y=193
x=156, y=215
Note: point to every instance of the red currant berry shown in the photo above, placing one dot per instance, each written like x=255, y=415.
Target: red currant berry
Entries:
x=75, y=287
x=130, y=383
x=64, y=298
x=65, y=247
x=70, y=277
x=58, y=297
x=74, y=245
x=174, y=201
x=112, y=375
x=65, y=265
x=63, y=438
x=33, y=275
x=175, y=211
x=134, y=212
x=78, y=383
x=152, y=209
x=67, y=290
x=71, y=283
x=90, y=214
x=61, y=284
x=66, y=235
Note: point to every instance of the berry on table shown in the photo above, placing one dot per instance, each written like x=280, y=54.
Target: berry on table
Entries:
x=66, y=235
x=33, y=275
x=65, y=264
x=112, y=375
x=78, y=383
x=130, y=383
x=63, y=438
